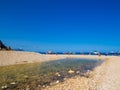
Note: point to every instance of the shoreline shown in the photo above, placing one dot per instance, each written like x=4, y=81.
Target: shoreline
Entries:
x=103, y=77
x=19, y=57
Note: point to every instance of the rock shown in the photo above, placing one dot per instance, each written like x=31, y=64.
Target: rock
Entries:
x=13, y=83
x=77, y=72
x=51, y=84
x=57, y=81
x=3, y=47
x=71, y=71
x=57, y=74
x=43, y=86
x=4, y=87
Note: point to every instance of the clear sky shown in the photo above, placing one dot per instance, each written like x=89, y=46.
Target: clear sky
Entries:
x=60, y=25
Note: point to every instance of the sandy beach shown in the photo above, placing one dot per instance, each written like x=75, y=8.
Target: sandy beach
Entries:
x=103, y=77
x=18, y=57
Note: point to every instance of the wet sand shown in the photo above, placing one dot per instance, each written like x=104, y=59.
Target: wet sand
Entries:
x=103, y=77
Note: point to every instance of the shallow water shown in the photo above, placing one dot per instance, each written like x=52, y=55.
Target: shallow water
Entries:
x=43, y=74
x=70, y=63
x=64, y=65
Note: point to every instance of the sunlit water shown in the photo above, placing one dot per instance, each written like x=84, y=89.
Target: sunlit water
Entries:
x=43, y=74
x=64, y=65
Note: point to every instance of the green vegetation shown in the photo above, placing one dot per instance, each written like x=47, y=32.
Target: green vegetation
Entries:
x=38, y=75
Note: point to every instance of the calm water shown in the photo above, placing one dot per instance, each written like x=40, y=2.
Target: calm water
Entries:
x=39, y=75
x=63, y=65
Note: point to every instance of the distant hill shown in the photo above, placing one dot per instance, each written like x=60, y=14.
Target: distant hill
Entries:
x=3, y=47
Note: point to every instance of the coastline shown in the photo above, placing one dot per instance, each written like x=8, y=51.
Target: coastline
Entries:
x=103, y=77
x=20, y=57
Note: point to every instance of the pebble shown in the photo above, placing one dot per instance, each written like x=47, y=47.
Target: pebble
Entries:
x=4, y=87
x=78, y=72
x=71, y=71
x=57, y=74
x=43, y=86
x=13, y=83
x=57, y=81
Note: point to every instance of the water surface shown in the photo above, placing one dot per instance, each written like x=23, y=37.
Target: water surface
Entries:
x=39, y=75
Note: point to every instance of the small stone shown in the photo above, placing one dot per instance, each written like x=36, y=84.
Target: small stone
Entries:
x=43, y=86
x=13, y=83
x=51, y=84
x=57, y=74
x=71, y=71
x=4, y=87
x=78, y=72
x=57, y=81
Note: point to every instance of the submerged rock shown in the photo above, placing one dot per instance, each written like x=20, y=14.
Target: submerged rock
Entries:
x=57, y=74
x=71, y=71
x=13, y=83
x=4, y=87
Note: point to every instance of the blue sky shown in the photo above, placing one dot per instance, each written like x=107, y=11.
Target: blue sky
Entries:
x=60, y=25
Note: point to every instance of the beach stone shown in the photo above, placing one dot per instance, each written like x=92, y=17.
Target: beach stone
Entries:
x=57, y=81
x=57, y=74
x=71, y=71
x=13, y=83
x=51, y=84
x=43, y=86
x=4, y=87
x=65, y=79
x=77, y=72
